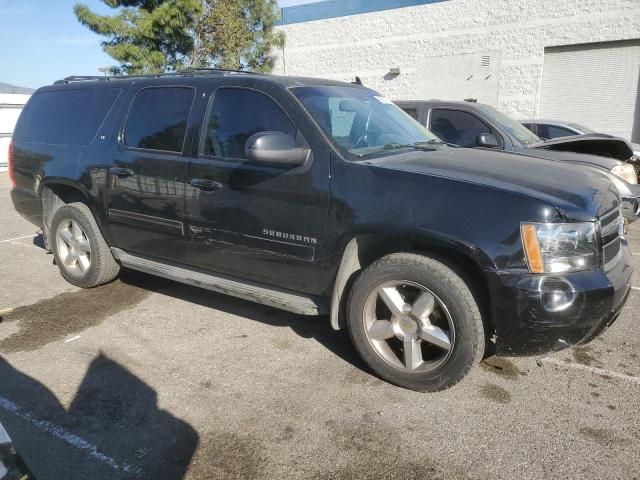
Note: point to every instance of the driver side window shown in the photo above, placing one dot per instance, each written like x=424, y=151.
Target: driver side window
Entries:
x=457, y=127
x=238, y=113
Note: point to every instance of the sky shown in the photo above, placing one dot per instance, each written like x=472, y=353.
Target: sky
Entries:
x=42, y=41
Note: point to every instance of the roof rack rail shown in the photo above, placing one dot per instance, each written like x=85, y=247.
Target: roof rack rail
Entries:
x=185, y=72
x=205, y=70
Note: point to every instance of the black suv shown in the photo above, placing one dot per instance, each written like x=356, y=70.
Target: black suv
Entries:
x=321, y=197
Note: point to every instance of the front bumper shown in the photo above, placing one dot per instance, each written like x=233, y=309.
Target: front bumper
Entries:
x=536, y=314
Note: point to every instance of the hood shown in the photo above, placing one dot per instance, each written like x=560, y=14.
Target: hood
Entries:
x=578, y=193
x=606, y=163
x=592, y=144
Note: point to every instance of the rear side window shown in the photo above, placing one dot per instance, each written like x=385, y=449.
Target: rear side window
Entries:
x=65, y=117
x=237, y=114
x=158, y=119
x=556, y=132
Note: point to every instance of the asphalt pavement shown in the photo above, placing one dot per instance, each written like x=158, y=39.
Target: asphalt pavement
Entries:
x=147, y=378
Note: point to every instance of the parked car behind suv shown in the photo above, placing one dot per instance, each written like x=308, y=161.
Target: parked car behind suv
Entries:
x=552, y=129
x=321, y=197
x=476, y=125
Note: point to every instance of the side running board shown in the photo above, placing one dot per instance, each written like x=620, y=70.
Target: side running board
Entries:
x=254, y=292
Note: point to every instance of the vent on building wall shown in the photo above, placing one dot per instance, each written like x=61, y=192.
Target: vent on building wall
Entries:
x=486, y=61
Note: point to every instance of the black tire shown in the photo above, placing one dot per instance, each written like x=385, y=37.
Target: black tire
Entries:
x=469, y=345
x=102, y=268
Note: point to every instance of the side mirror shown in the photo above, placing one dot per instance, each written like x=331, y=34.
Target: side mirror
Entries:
x=275, y=148
x=487, y=140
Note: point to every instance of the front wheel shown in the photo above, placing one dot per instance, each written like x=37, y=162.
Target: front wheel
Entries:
x=415, y=322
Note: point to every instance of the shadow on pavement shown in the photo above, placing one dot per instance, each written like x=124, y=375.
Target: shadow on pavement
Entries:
x=318, y=328
x=113, y=410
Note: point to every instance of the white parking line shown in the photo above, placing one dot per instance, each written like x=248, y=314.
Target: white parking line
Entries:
x=635, y=253
x=17, y=238
x=635, y=288
x=593, y=370
x=68, y=437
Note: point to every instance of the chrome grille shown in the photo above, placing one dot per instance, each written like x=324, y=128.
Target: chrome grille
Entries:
x=610, y=229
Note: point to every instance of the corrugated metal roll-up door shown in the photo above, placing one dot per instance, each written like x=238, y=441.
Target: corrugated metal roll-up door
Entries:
x=595, y=85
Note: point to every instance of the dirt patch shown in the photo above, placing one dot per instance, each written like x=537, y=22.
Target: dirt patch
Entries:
x=374, y=451
x=503, y=367
x=286, y=434
x=358, y=377
x=584, y=355
x=496, y=394
x=600, y=435
x=55, y=318
x=225, y=455
x=375, y=469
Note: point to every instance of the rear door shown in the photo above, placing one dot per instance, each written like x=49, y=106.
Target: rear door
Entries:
x=259, y=222
x=146, y=179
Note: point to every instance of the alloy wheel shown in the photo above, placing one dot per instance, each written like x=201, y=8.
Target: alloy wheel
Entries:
x=74, y=249
x=408, y=326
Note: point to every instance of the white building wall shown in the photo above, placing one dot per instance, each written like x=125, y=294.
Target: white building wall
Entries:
x=10, y=107
x=368, y=45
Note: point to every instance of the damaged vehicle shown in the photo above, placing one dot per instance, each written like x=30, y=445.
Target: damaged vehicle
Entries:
x=476, y=125
x=551, y=129
x=323, y=198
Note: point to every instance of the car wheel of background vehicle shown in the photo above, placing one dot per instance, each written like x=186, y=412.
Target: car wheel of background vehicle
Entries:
x=415, y=322
x=80, y=251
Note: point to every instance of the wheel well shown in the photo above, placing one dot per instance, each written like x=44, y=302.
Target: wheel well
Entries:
x=369, y=248
x=65, y=193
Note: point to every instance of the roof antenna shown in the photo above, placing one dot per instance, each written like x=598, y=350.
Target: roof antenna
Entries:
x=357, y=81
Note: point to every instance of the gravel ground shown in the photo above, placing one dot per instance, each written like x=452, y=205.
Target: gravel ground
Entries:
x=146, y=378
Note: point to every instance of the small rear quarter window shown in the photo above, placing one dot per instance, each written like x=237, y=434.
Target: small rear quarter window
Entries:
x=158, y=118
x=65, y=117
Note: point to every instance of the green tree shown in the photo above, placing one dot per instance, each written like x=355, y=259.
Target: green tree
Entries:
x=145, y=36
x=237, y=34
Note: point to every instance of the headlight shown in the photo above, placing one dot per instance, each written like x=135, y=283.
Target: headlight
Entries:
x=626, y=172
x=560, y=247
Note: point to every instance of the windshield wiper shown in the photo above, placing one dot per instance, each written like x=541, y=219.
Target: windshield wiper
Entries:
x=437, y=141
x=424, y=146
x=418, y=146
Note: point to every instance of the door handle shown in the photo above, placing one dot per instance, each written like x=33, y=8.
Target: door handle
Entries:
x=121, y=172
x=206, y=185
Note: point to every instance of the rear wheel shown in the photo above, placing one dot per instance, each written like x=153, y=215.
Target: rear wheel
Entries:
x=81, y=253
x=415, y=323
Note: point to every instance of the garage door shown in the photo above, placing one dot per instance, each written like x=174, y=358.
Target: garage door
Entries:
x=595, y=85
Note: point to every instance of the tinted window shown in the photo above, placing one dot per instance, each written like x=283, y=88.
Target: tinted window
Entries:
x=158, y=119
x=412, y=112
x=455, y=126
x=65, y=117
x=236, y=115
x=555, y=132
x=531, y=126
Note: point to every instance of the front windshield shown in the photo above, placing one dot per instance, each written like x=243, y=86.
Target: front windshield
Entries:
x=360, y=121
x=515, y=129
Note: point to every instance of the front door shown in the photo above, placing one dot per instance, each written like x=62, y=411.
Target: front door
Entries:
x=146, y=180
x=259, y=222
